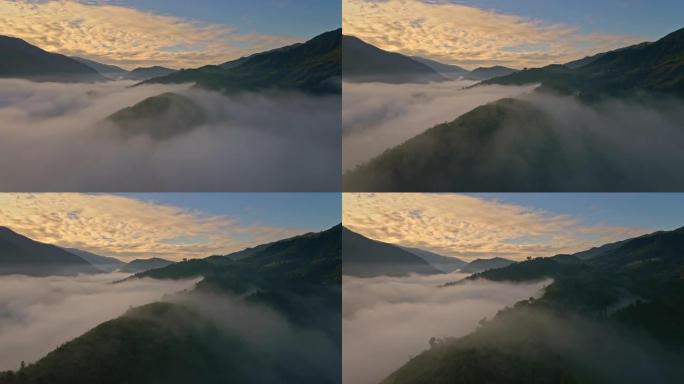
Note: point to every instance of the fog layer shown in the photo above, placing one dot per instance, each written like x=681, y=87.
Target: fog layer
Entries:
x=376, y=116
x=52, y=138
x=39, y=314
x=387, y=320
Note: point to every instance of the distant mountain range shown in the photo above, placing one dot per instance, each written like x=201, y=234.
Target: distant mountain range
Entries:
x=23, y=256
x=364, y=257
x=629, y=293
x=363, y=62
x=103, y=263
x=480, y=265
x=445, y=264
x=465, y=155
x=653, y=67
x=311, y=67
x=22, y=60
x=143, y=265
x=147, y=73
x=179, y=341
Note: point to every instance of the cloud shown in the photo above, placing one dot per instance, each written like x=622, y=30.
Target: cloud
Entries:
x=469, y=227
x=39, y=314
x=387, y=320
x=376, y=117
x=125, y=227
x=53, y=139
x=120, y=35
x=470, y=36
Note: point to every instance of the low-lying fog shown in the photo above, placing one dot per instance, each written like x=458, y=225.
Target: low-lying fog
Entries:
x=38, y=314
x=52, y=138
x=386, y=320
x=377, y=116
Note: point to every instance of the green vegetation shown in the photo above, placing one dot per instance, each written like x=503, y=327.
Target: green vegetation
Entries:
x=312, y=67
x=613, y=317
x=185, y=340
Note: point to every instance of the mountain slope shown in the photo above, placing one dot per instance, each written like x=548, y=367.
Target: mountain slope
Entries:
x=447, y=70
x=653, y=67
x=363, y=257
x=22, y=60
x=363, y=62
x=179, y=113
x=142, y=265
x=103, y=263
x=443, y=263
x=272, y=317
x=465, y=155
x=110, y=71
x=147, y=73
x=480, y=265
x=312, y=67
x=486, y=73
x=615, y=317
x=21, y=255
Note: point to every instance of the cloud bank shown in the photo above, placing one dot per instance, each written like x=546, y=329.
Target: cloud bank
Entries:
x=470, y=36
x=53, y=140
x=470, y=227
x=125, y=36
x=376, y=117
x=388, y=320
x=129, y=228
x=39, y=314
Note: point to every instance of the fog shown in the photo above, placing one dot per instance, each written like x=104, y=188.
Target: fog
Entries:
x=276, y=349
x=387, y=320
x=52, y=138
x=377, y=116
x=39, y=314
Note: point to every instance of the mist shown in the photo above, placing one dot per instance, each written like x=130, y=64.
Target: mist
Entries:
x=52, y=138
x=38, y=314
x=376, y=116
x=386, y=321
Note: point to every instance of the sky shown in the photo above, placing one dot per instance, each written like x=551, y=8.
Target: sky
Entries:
x=173, y=226
x=173, y=33
x=524, y=33
x=515, y=226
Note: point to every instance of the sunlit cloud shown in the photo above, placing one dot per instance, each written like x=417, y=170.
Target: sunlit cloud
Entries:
x=125, y=36
x=470, y=227
x=124, y=227
x=470, y=36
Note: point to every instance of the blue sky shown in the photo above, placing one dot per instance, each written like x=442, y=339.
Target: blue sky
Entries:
x=652, y=19
x=655, y=211
x=308, y=211
x=300, y=18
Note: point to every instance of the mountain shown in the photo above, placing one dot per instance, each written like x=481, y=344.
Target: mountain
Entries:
x=618, y=306
x=480, y=265
x=23, y=256
x=204, y=336
x=142, y=265
x=103, y=263
x=486, y=73
x=463, y=155
x=312, y=67
x=363, y=257
x=651, y=67
x=446, y=264
x=147, y=73
x=178, y=113
x=363, y=62
x=446, y=70
x=109, y=71
x=21, y=60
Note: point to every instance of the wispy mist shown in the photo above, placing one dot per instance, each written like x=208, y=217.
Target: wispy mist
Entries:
x=376, y=117
x=52, y=138
x=39, y=314
x=387, y=320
